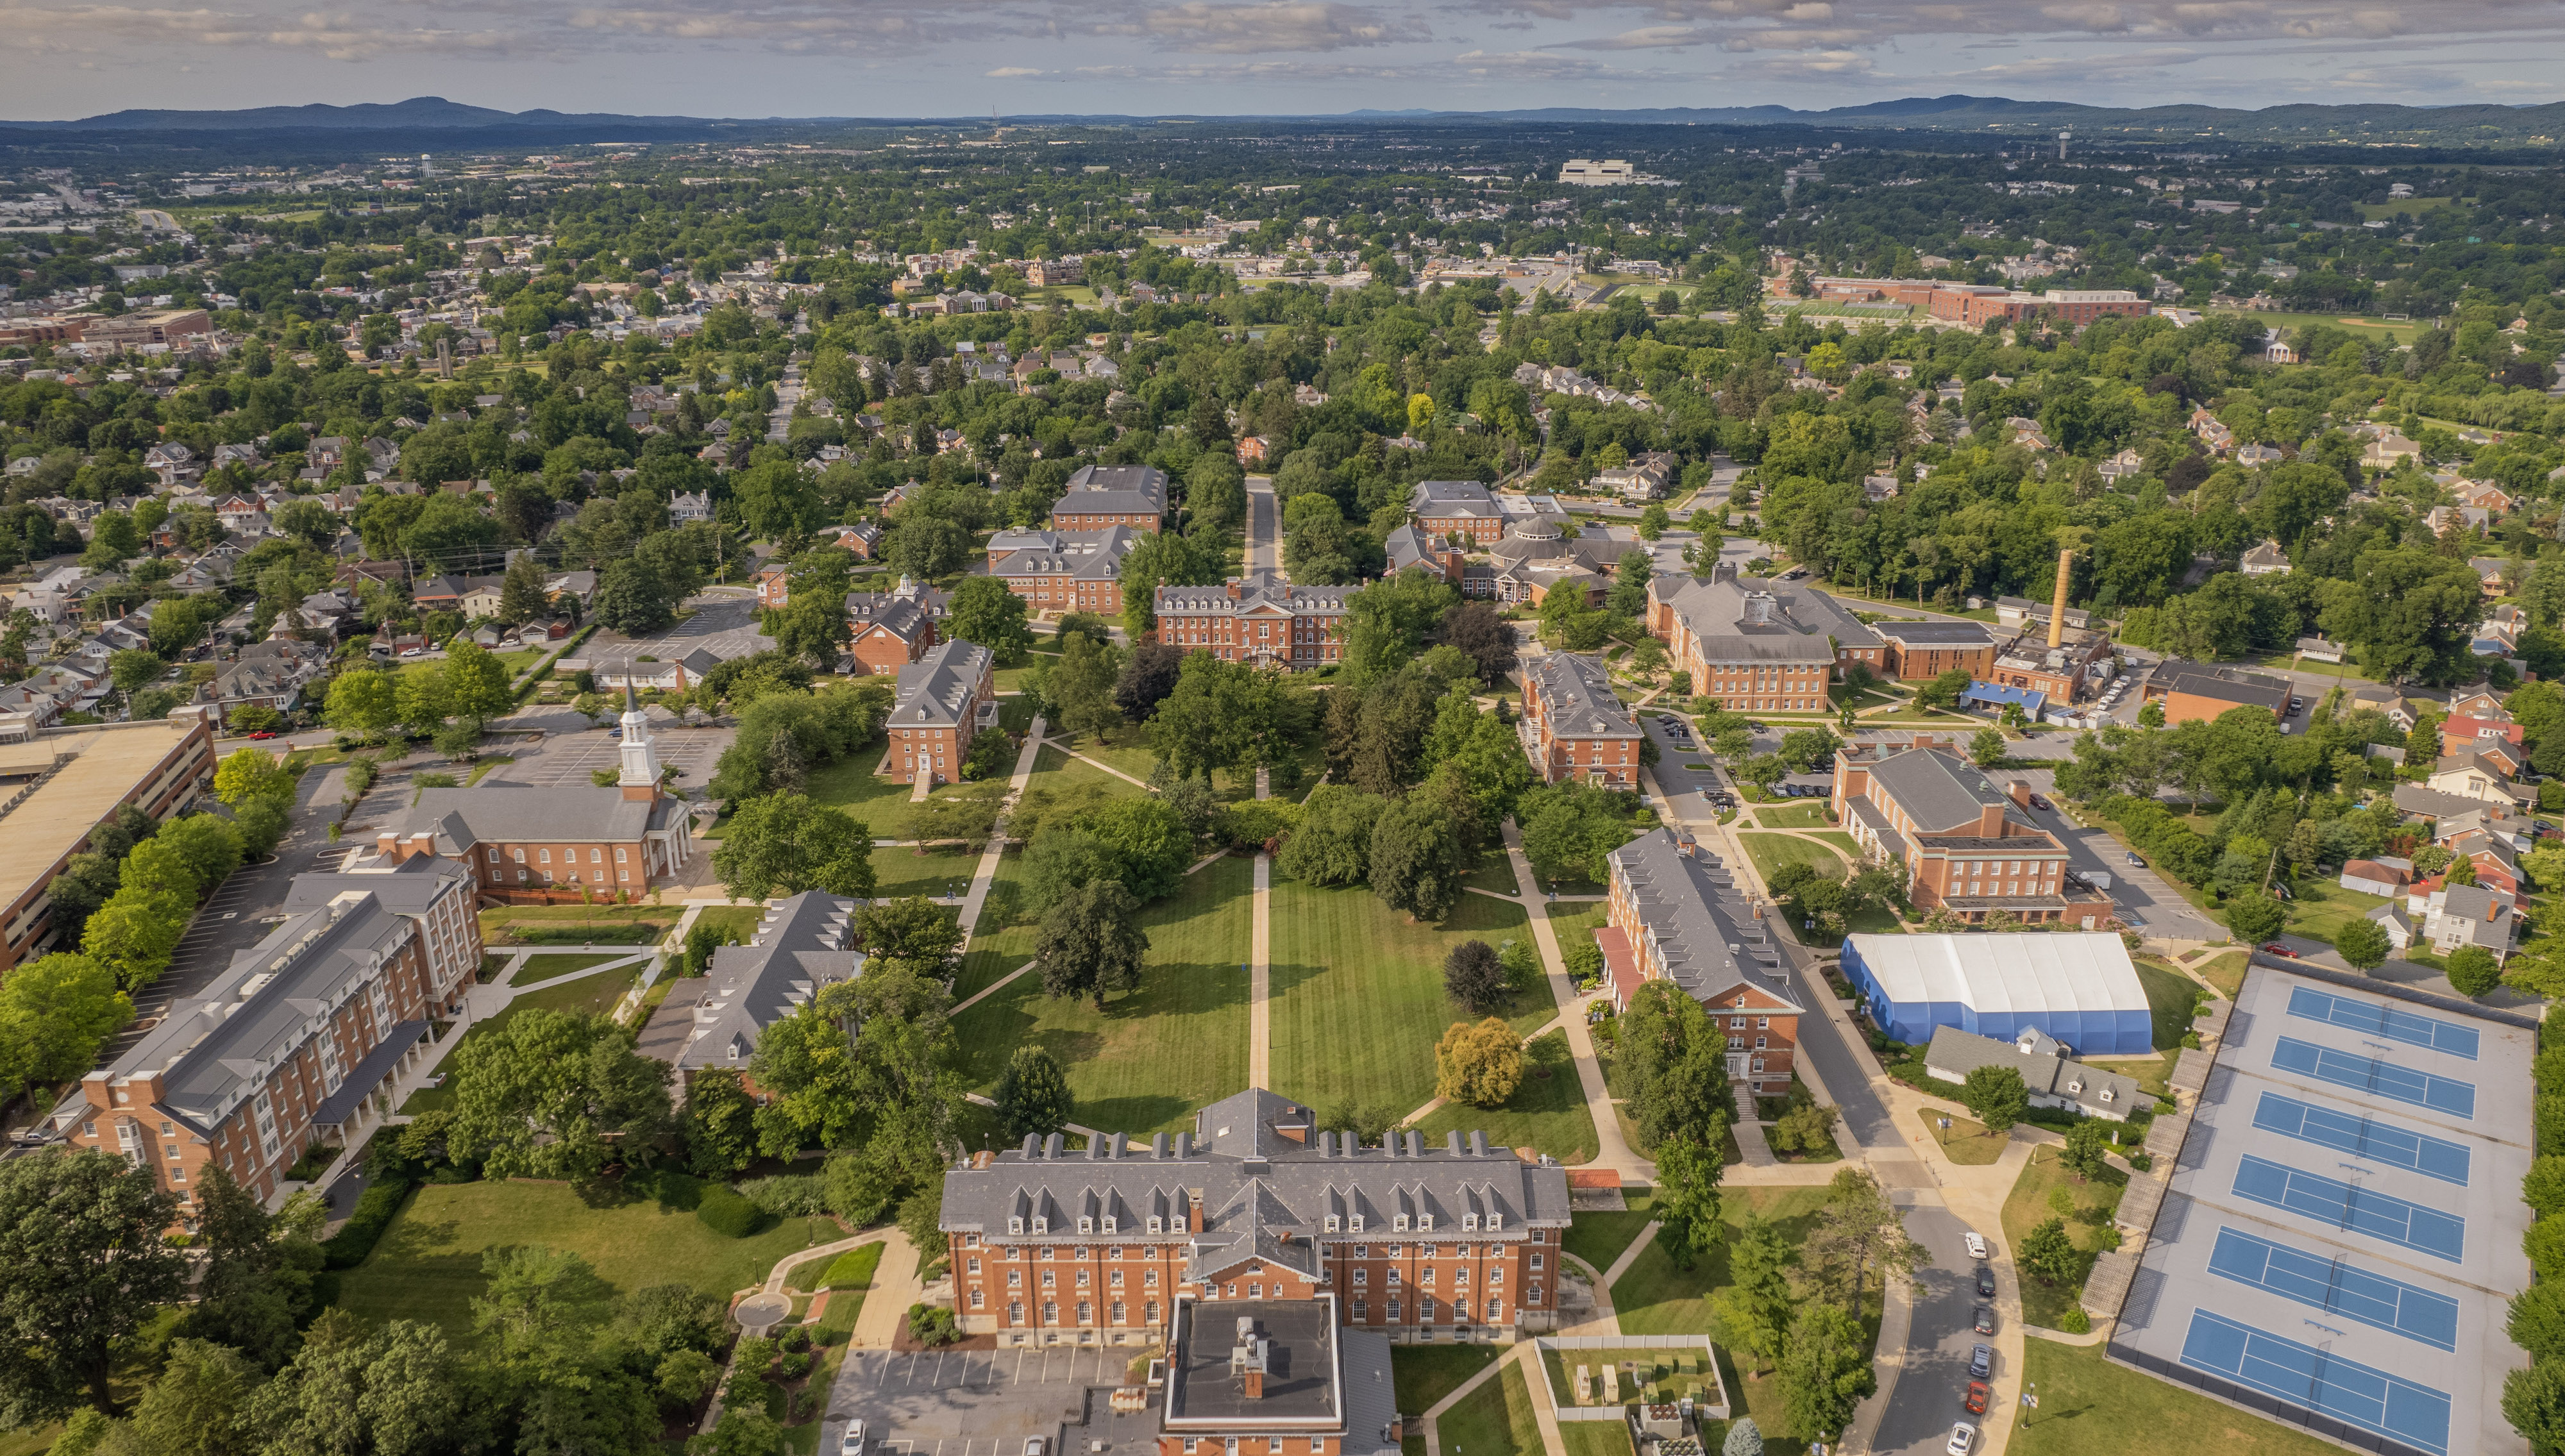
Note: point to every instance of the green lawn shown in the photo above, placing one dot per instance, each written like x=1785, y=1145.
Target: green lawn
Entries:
x=740, y=920
x=1850, y=848
x=1056, y=769
x=1599, y=1236
x=1793, y=816
x=572, y=924
x=429, y=1265
x=1496, y=873
x=2045, y=1305
x=2323, y=908
x=941, y=869
x=595, y=994
x=1358, y=1000
x=2172, y=996
x=2227, y=972
x=1425, y=1373
x=1154, y=1055
x=1966, y=1142
x=1547, y=1113
x=1493, y=1421
x=1003, y=938
x=2088, y=1404
x=551, y=967
x=876, y=799
x=1772, y=851
x=851, y=1275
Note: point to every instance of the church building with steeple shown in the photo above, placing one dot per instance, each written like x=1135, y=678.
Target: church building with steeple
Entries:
x=516, y=837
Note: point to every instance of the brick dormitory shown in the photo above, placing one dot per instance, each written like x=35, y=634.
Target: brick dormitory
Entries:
x=1257, y=1202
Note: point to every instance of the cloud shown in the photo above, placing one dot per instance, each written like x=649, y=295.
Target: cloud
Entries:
x=1276, y=25
x=1013, y=73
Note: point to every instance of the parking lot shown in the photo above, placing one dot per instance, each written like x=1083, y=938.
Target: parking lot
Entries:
x=570, y=757
x=969, y=1402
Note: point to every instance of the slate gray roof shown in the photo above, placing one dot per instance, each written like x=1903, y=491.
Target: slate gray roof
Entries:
x=1409, y=546
x=2223, y=683
x=1450, y=498
x=519, y=813
x=2045, y=1070
x=1268, y=1180
x=1960, y=636
x=407, y=887
x=1576, y=697
x=1796, y=621
x=1689, y=908
x=1114, y=490
x=798, y=948
x=903, y=616
x=1089, y=556
x=1937, y=791
x=256, y=1012
x=937, y=689
x=1253, y=592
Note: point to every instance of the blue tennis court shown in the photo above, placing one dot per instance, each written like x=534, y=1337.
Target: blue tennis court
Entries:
x=2346, y=1205
x=2376, y=1076
x=2364, y=1137
x=2334, y=1286
x=2305, y=1376
x=2377, y=1019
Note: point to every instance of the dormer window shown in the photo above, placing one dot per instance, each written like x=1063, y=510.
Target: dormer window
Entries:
x=1176, y=1223
x=1358, y=1223
x=1495, y=1221
x=2108, y=1095
x=1111, y=1224
x=1157, y=1224
x=1425, y=1221
x=1041, y=1224
x=1334, y=1224
x=1015, y=1226
x=1468, y=1223
x=1400, y=1223
x=1086, y=1225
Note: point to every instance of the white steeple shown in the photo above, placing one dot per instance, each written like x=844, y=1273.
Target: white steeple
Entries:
x=640, y=777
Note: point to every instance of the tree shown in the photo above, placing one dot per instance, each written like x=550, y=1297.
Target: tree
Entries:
x=1332, y=846
x=2085, y=1153
x=1997, y=1097
x=1859, y=1230
x=1743, y=1439
x=255, y=717
x=394, y=1392
x=2046, y=1253
x=1944, y=691
x=984, y=611
x=1986, y=747
x=806, y=1065
x=1386, y=623
x=1753, y=1311
x=2537, y=1319
x=55, y=1014
x=1149, y=842
x=786, y=843
x=1161, y=559
x=1825, y=1371
x=550, y=1095
x=1688, y=1173
x=194, y=1408
x=2474, y=970
x=251, y=773
x=1416, y=859
x=1475, y=977
x=362, y=702
x=1091, y=943
x=914, y=932
x=2363, y=943
x=2254, y=917
x=1079, y=688
x=744, y=1430
x=1481, y=630
x=1481, y=1065
x=2533, y=1400
x=522, y=597
x=135, y=934
x=720, y=1124
x=1147, y=679
x=1033, y=1094
x=81, y=1236
x=476, y=683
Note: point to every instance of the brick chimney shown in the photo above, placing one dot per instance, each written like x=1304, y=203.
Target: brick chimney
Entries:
x=2057, y=607
x=1255, y=1384
x=2020, y=793
x=1237, y=589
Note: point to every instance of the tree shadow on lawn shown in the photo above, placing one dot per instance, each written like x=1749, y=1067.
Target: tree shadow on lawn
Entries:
x=1136, y=1024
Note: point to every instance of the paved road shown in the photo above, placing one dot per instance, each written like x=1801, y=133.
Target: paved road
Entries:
x=2146, y=901
x=1264, y=527
x=1935, y=1375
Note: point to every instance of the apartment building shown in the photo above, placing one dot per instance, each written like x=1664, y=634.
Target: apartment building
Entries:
x=1260, y=619
x=296, y=1042
x=1256, y=1202
x=1965, y=845
x=1674, y=916
x=1573, y=725
x=946, y=699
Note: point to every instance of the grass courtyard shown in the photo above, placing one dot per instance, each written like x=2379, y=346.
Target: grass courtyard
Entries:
x=590, y=994
x=1548, y=1111
x=429, y=1265
x=1357, y=993
x=1772, y=851
x=1792, y=816
x=2045, y=1305
x=1154, y=1055
x=2088, y=1404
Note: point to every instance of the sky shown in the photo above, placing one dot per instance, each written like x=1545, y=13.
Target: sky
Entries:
x=941, y=57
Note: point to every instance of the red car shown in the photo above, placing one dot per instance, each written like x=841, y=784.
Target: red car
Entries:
x=260, y=737
x=2276, y=948
x=1976, y=1398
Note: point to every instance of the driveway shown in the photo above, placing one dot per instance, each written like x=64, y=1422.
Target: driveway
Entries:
x=970, y=1402
x=1264, y=527
x=2149, y=904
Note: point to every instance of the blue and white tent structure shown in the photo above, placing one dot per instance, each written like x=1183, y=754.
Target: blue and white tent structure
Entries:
x=2077, y=986
x=1996, y=695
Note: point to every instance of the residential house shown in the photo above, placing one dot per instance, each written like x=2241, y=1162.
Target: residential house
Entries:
x=2465, y=914
x=945, y=699
x=1674, y=914
x=2051, y=1074
x=2265, y=559
x=2384, y=876
x=861, y=538
x=2257, y=455
x=686, y=510
x=1647, y=477
x=269, y=674
x=1456, y=1241
x=2467, y=733
x=2383, y=451
x=1573, y=725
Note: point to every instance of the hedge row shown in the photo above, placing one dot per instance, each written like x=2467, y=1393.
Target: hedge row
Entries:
x=375, y=1209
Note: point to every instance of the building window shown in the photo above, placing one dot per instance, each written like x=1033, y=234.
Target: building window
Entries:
x=977, y=1299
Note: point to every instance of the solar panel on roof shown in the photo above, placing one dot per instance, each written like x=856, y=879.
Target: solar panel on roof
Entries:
x=2382, y=1216
x=2376, y=1075
x=2318, y=1379
x=2379, y=1019
x=2335, y=1286
x=2363, y=1137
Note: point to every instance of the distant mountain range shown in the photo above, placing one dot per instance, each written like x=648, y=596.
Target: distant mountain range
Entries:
x=2443, y=126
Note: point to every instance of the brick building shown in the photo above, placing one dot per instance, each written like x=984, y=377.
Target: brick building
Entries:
x=294, y=1044
x=1674, y=916
x=1066, y=571
x=1765, y=648
x=2192, y=691
x=1256, y=1202
x=1965, y=846
x=613, y=842
x=1573, y=725
x=946, y=699
x=1919, y=650
x=1262, y=620
x=1103, y=496
x=1457, y=507
x=888, y=630
x=801, y=947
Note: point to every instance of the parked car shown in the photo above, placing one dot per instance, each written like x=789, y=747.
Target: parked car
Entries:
x=2140, y=864
x=1985, y=1281
x=262, y=736
x=854, y=1444
x=1976, y=1242
x=1974, y=1402
x=2274, y=948
x=2297, y=702
x=1982, y=1360
x=1985, y=1320
x=2039, y=803
x=1963, y=1436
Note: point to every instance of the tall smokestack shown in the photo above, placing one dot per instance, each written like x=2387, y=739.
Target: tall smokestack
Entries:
x=2057, y=609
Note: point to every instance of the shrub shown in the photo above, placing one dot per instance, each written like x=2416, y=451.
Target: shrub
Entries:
x=2076, y=1322
x=787, y=1196
x=375, y=1209
x=676, y=1190
x=726, y=1213
x=929, y=1324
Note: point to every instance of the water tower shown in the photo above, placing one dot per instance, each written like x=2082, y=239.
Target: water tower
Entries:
x=2063, y=138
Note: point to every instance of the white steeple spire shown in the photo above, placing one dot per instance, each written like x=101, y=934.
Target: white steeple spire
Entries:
x=640, y=776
